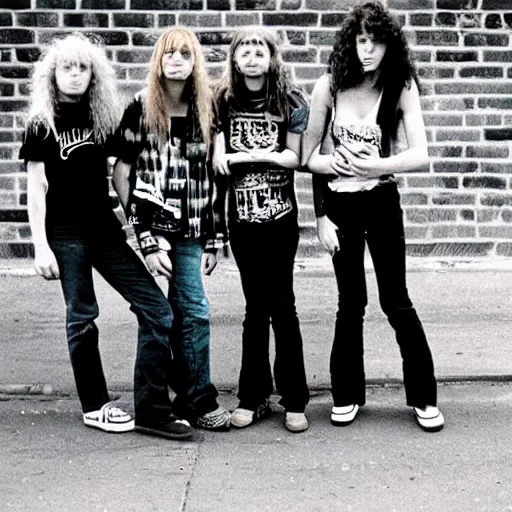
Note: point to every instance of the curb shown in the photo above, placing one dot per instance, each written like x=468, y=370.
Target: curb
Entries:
x=17, y=391
x=323, y=265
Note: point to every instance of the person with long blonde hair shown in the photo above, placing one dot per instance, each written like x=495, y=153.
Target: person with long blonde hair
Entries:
x=259, y=121
x=74, y=113
x=166, y=185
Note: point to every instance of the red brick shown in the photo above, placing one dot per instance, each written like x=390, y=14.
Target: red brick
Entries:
x=456, y=56
x=55, y=4
x=495, y=231
x=497, y=167
x=484, y=182
x=133, y=20
x=296, y=37
x=299, y=55
x=86, y=19
x=504, y=249
x=437, y=38
x=494, y=151
x=242, y=19
x=453, y=231
x=445, y=151
x=105, y=4
x=455, y=166
x=16, y=36
x=458, y=135
x=309, y=72
x=481, y=72
x=449, y=182
x=421, y=215
x=483, y=120
x=485, y=39
x=497, y=56
x=496, y=200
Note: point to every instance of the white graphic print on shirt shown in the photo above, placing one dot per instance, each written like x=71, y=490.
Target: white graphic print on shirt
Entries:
x=73, y=139
x=260, y=196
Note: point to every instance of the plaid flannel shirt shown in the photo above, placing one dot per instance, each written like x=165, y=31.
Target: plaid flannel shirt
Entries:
x=172, y=189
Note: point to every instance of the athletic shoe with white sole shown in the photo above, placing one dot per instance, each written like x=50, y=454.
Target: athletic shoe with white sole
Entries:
x=242, y=417
x=430, y=419
x=170, y=428
x=296, y=422
x=219, y=419
x=109, y=419
x=345, y=415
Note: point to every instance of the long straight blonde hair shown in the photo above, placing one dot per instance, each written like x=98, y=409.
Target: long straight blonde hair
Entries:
x=104, y=100
x=157, y=115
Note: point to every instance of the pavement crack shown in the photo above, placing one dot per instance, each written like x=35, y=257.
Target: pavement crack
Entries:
x=188, y=485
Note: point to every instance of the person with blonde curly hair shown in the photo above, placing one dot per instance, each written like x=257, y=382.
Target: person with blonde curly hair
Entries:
x=75, y=110
x=260, y=117
x=165, y=182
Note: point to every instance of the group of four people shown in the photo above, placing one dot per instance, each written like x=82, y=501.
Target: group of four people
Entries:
x=182, y=150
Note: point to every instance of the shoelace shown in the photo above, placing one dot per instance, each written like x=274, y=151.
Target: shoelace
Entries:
x=115, y=412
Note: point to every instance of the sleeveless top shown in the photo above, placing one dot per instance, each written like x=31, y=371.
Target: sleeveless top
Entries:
x=365, y=131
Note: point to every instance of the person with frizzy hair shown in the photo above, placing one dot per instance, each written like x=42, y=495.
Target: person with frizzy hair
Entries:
x=369, y=93
x=165, y=182
x=258, y=125
x=74, y=113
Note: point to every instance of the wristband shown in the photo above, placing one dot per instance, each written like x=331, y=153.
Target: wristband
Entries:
x=148, y=243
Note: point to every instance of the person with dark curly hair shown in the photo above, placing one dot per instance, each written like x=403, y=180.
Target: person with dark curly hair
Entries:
x=370, y=90
x=259, y=124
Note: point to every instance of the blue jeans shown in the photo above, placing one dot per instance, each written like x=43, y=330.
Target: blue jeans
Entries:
x=190, y=335
x=126, y=273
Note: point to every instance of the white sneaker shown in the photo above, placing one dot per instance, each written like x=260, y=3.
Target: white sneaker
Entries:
x=241, y=417
x=109, y=419
x=296, y=422
x=345, y=415
x=429, y=419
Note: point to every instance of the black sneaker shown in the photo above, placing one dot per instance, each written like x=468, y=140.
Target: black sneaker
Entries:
x=171, y=428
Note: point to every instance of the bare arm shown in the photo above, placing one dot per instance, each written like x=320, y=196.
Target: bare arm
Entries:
x=121, y=181
x=415, y=157
x=321, y=104
x=37, y=187
x=288, y=158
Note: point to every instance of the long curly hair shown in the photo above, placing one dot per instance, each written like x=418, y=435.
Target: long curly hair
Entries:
x=198, y=85
x=232, y=86
x=105, y=105
x=397, y=69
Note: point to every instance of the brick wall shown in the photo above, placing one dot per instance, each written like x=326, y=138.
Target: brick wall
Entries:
x=462, y=206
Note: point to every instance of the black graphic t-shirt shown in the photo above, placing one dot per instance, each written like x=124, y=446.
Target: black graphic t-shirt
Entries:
x=77, y=200
x=260, y=192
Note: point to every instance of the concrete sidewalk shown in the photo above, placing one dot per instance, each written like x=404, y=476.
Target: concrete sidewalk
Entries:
x=465, y=306
x=381, y=463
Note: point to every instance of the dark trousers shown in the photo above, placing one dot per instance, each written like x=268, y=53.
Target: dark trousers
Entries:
x=374, y=217
x=265, y=255
x=126, y=273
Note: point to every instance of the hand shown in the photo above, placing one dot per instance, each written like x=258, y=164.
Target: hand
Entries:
x=221, y=164
x=45, y=263
x=159, y=263
x=363, y=159
x=326, y=230
x=209, y=262
x=340, y=165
